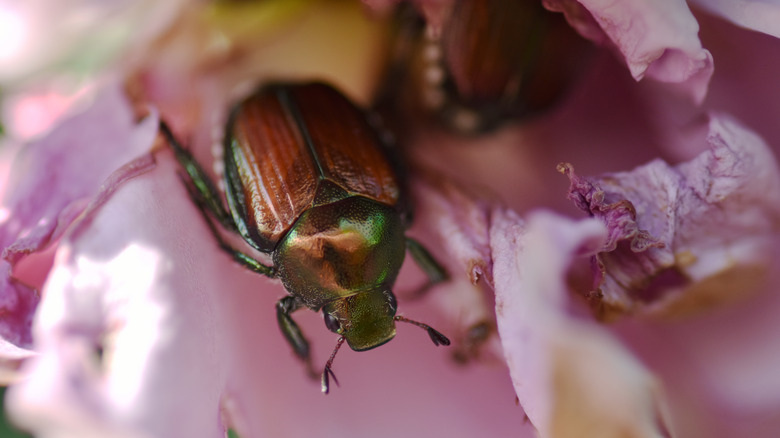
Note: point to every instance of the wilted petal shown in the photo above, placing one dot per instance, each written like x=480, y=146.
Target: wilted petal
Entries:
x=691, y=235
x=569, y=373
x=656, y=38
x=763, y=16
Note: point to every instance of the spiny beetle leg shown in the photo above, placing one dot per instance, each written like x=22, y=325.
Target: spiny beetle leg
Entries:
x=199, y=184
x=243, y=259
x=292, y=332
x=433, y=269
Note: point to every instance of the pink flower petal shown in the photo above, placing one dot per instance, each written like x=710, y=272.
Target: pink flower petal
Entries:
x=51, y=178
x=17, y=307
x=686, y=236
x=763, y=16
x=50, y=182
x=719, y=368
x=657, y=38
x=461, y=218
x=190, y=344
x=569, y=373
x=11, y=358
x=74, y=36
x=109, y=330
x=744, y=82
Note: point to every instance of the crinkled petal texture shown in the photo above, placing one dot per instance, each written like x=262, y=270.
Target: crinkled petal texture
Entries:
x=50, y=182
x=656, y=38
x=147, y=329
x=687, y=237
x=571, y=375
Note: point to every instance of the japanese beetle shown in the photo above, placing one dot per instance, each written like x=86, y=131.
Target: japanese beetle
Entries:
x=308, y=181
x=483, y=62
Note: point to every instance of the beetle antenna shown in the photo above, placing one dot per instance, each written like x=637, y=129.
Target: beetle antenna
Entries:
x=436, y=336
x=328, y=372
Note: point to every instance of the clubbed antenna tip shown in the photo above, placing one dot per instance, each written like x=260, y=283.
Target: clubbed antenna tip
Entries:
x=327, y=373
x=436, y=336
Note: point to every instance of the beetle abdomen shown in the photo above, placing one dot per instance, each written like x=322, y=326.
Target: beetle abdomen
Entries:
x=283, y=142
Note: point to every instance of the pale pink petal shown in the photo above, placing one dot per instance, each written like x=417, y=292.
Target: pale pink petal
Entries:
x=689, y=236
x=656, y=38
x=569, y=373
x=461, y=218
x=17, y=308
x=31, y=112
x=51, y=179
x=744, y=83
x=455, y=222
x=191, y=344
x=720, y=368
x=760, y=15
x=11, y=357
x=74, y=36
x=49, y=183
x=129, y=340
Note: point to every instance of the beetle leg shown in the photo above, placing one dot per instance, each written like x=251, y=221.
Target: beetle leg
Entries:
x=433, y=269
x=198, y=182
x=292, y=332
x=245, y=260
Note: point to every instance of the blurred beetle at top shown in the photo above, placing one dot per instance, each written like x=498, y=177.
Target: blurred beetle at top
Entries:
x=482, y=62
x=309, y=181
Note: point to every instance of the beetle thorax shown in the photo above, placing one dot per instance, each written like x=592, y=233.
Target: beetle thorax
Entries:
x=338, y=249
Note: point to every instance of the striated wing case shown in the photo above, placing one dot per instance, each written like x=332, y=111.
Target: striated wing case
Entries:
x=283, y=142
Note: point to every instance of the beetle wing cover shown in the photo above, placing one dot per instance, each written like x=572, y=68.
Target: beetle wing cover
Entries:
x=347, y=148
x=276, y=178
x=283, y=141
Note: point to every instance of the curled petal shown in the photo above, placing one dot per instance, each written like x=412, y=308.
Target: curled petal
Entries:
x=656, y=38
x=569, y=373
x=707, y=226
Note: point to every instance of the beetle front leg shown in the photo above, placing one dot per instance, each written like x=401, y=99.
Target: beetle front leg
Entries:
x=292, y=332
x=243, y=259
x=198, y=182
x=433, y=269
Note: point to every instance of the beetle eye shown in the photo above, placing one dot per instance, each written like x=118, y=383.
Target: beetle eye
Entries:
x=332, y=323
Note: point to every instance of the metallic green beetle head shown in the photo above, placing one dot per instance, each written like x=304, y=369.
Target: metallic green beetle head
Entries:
x=365, y=320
